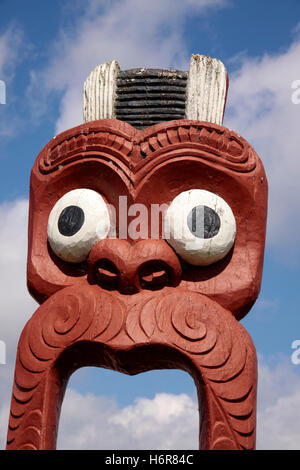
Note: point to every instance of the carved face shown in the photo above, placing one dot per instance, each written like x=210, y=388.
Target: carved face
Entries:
x=148, y=245
x=179, y=205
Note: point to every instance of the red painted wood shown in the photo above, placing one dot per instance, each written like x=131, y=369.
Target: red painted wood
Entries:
x=188, y=320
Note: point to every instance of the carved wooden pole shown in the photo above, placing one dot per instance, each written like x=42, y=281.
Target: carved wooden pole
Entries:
x=133, y=292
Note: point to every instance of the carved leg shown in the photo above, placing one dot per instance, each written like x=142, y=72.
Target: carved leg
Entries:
x=34, y=414
x=220, y=429
x=223, y=365
x=39, y=386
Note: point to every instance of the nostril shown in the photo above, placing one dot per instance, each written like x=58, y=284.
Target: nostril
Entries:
x=148, y=264
x=154, y=275
x=106, y=274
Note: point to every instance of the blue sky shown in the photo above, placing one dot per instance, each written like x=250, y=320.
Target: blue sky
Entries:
x=47, y=49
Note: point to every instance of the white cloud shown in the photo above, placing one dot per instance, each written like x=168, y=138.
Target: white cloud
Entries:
x=260, y=108
x=13, y=49
x=16, y=304
x=135, y=33
x=93, y=422
x=278, y=406
x=278, y=425
x=10, y=42
x=170, y=421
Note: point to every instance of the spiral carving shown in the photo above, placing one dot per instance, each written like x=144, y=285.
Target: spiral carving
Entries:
x=196, y=330
x=217, y=346
x=64, y=319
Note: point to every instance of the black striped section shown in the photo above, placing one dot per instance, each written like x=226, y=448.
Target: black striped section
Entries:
x=149, y=96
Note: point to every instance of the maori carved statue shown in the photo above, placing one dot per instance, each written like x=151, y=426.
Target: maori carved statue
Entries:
x=146, y=244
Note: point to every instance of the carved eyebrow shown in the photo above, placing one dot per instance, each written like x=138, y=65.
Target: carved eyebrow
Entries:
x=79, y=142
x=202, y=140
x=131, y=147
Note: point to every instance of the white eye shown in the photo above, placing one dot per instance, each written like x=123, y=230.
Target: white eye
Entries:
x=77, y=221
x=200, y=226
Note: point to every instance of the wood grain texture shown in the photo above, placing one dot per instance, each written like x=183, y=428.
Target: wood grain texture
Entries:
x=99, y=92
x=206, y=89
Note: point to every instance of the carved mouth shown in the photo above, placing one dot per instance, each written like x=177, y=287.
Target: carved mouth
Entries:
x=166, y=329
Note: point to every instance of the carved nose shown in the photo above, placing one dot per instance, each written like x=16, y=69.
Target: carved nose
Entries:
x=148, y=264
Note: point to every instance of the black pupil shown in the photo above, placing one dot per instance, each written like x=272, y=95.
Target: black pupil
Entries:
x=203, y=222
x=70, y=220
